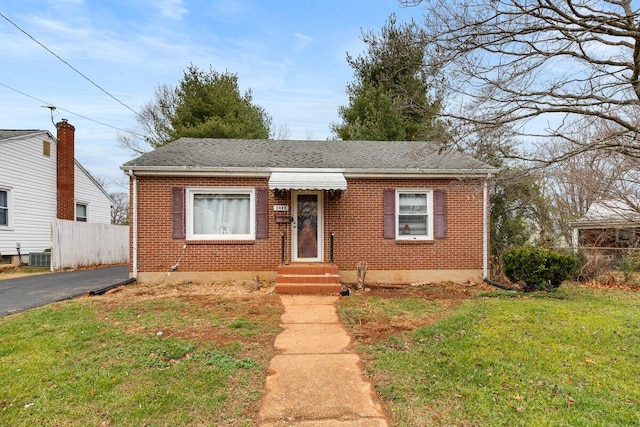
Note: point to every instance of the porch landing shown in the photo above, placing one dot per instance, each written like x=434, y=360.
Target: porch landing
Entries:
x=308, y=278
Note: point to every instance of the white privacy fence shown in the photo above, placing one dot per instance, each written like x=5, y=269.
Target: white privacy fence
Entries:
x=78, y=244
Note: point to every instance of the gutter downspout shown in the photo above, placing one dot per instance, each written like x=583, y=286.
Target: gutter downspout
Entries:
x=485, y=228
x=134, y=225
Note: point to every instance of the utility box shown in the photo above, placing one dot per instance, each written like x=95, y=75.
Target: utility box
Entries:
x=39, y=259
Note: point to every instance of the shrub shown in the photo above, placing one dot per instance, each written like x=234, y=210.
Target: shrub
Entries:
x=538, y=269
x=629, y=265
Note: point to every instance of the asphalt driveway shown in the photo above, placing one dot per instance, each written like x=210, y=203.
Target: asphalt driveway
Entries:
x=32, y=291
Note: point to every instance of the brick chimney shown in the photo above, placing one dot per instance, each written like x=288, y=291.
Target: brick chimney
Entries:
x=65, y=170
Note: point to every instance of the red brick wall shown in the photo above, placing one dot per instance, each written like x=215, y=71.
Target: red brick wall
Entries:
x=356, y=220
x=65, y=171
x=355, y=217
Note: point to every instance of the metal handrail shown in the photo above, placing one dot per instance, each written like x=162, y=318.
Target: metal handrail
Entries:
x=333, y=235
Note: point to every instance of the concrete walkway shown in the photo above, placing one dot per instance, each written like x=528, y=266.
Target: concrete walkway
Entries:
x=315, y=379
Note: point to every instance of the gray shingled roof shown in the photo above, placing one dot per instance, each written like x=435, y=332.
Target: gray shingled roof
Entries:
x=206, y=154
x=13, y=133
x=610, y=212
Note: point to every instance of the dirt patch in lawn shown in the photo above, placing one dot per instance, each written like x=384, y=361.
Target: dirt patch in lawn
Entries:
x=223, y=313
x=220, y=323
x=238, y=307
x=203, y=292
x=370, y=323
x=426, y=290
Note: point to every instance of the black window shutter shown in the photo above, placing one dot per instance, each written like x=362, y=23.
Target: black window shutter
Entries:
x=389, y=213
x=177, y=206
x=439, y=214
x=262, y=211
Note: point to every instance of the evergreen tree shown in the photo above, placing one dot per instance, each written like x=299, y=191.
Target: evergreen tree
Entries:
x=393, y=96
x=204, y=105
x=209, y=105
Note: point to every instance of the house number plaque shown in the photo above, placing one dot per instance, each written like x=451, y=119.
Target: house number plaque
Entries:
x=281, y=219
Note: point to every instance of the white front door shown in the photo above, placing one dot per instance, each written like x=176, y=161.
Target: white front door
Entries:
x=307, y=226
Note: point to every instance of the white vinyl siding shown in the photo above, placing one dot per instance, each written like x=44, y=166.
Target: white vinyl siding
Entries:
x=414, y=214
x=31, y=178
x=221, y=213
x=89, y=194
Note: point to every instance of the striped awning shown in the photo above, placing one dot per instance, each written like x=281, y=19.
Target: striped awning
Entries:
x=307, y=181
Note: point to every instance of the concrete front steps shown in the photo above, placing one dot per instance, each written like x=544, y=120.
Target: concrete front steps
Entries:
x=308, y=278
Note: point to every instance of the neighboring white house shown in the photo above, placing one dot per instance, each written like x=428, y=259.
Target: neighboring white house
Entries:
x=40, y=181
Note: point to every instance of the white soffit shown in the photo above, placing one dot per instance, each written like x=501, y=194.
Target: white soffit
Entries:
x=307, y=181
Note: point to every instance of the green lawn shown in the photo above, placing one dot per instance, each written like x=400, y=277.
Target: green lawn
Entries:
x=169, y=361
x=168, y=357
x=568, y=358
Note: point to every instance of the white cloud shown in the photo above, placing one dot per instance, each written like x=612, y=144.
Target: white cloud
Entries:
x=230, y=7
x=302, y=41
x=56, y=26
x=303, y=37
x=172, y=9
x=58, y=3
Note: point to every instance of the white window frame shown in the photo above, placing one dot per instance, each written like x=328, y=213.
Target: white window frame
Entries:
x=428, y=214
x=193, y=191
x=9, y=210
x=86, y=208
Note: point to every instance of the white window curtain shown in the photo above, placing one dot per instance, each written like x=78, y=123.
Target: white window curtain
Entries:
x=413, y=217
x=221, y=214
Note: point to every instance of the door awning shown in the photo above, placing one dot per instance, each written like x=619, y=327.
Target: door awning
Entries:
x=307, y=181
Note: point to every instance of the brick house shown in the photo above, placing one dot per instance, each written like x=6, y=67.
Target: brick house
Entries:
x=222, y=209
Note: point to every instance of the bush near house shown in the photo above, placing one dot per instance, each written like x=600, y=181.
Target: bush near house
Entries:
x=629, y=266
x=538, y=269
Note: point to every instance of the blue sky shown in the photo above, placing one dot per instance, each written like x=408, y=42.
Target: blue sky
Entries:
x=291, y=54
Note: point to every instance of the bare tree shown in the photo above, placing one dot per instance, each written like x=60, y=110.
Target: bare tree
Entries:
x=541, y=68
x=606, y=177
x=120, y=210
x=153, y=126
x=572, y=186
x=281, y=132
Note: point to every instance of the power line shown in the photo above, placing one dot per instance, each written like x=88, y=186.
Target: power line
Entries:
x=70, y=66
x=47, y=104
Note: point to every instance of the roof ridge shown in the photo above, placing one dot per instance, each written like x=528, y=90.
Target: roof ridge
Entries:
x=211, y=154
